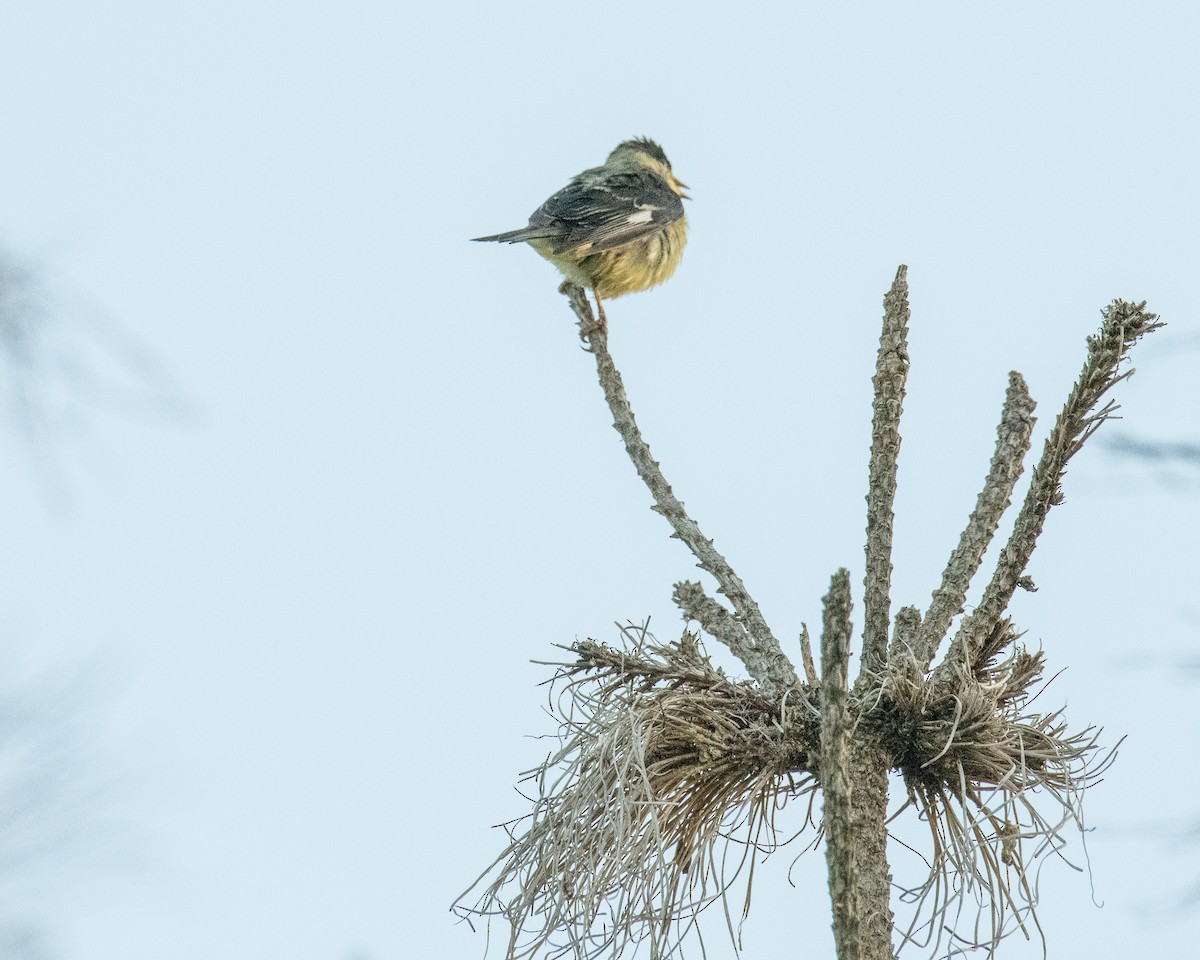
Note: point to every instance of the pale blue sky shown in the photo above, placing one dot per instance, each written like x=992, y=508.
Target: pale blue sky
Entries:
x=311, y=601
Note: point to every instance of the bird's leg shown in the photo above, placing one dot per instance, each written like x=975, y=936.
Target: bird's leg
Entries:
x=600, y=322
x=603, y=321
x=588, y=322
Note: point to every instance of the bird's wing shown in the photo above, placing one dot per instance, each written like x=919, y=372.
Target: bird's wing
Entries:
x=591, y=215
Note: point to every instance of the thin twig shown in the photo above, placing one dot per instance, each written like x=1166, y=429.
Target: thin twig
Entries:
x=766, y=663
x=891, y=371
x=1013, y=437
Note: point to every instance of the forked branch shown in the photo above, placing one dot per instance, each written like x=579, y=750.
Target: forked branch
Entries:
x=1123, y=324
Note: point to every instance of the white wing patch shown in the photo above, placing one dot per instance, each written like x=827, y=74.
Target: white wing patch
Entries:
x=642, y=215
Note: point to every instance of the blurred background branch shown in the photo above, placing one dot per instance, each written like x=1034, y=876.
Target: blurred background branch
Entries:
x=64, y=362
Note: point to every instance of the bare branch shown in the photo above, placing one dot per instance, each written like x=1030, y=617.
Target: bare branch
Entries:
x=695, y=604
x=891, y=371
x=1013, y=437
x=718, y=622
x=904, y=633
x=1122, y=326
x=769, y=657
x=835, y=767
x=810, y=669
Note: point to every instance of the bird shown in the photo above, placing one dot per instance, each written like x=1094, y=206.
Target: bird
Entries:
x=618, y=228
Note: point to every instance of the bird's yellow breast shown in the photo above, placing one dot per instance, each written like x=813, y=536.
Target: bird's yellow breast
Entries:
x=629, y=268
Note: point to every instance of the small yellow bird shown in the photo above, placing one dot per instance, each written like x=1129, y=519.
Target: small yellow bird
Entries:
x=618, y=228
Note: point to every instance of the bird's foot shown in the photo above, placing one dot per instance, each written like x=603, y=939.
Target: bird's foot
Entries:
x=598, y=323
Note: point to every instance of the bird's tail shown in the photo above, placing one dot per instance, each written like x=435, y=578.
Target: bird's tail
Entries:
x=517, y=236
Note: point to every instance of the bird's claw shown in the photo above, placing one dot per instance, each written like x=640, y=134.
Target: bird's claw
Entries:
x=586, y=332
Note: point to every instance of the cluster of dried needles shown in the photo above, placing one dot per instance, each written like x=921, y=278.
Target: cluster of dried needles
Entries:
x=661, y=760
x=669, y=777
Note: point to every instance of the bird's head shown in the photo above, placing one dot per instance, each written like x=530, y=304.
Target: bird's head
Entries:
x=644, y=152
